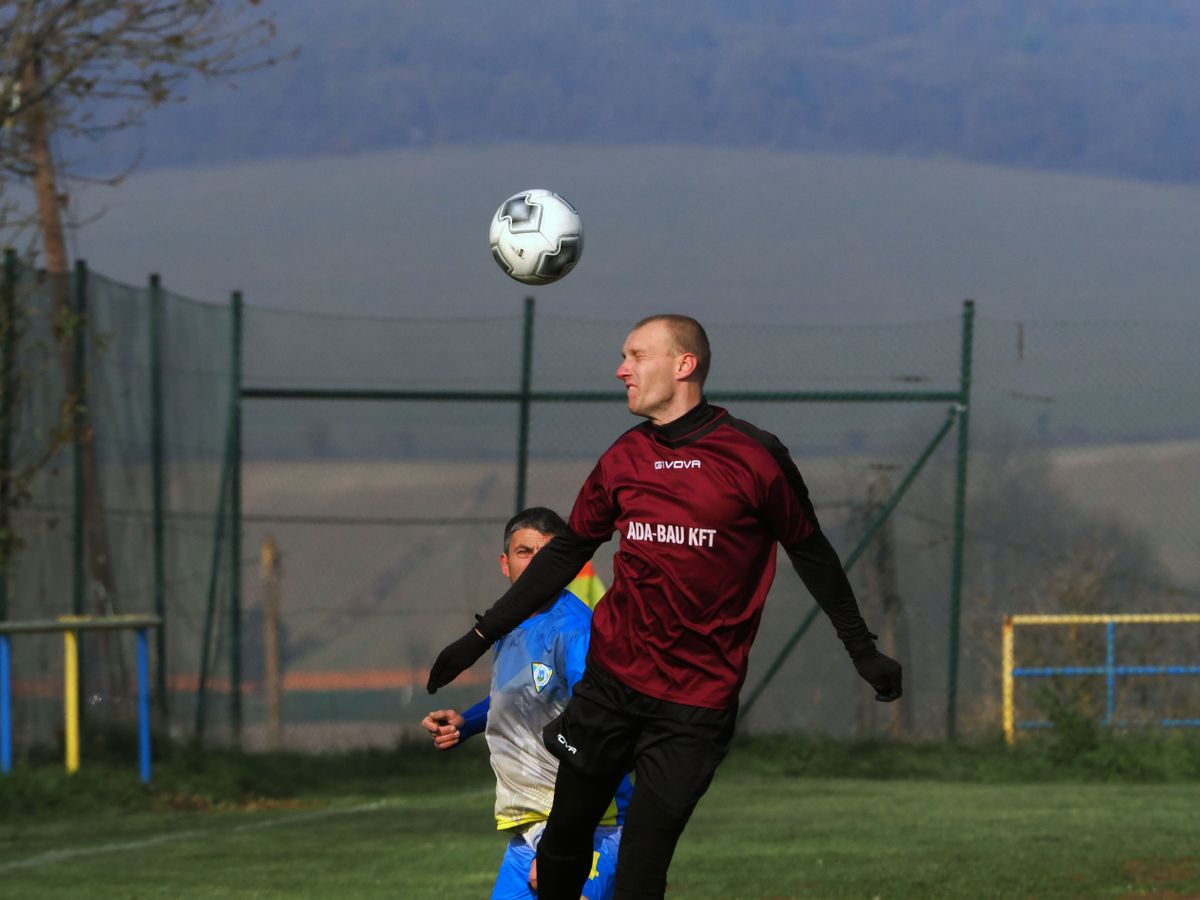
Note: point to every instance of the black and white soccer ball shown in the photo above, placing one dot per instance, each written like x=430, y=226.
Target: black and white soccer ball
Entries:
x=536, y=236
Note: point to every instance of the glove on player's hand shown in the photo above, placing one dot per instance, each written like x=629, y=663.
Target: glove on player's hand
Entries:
x=883, y=673
x=456, y=659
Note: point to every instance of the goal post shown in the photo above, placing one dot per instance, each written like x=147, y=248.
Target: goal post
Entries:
x=1109, y=669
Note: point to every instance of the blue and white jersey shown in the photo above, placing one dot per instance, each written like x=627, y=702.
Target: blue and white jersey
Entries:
x=535, y=667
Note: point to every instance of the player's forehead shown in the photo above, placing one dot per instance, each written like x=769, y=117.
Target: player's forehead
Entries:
x=527, y=537
x=653, y=337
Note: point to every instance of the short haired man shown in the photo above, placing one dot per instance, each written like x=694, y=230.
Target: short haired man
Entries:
x=699, y=499
x=536, y=666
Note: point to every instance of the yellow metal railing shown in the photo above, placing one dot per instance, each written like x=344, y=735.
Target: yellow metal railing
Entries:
x=70, y=626
x=1110, y=670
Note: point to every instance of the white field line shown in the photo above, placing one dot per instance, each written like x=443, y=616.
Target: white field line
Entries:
x=50, y=857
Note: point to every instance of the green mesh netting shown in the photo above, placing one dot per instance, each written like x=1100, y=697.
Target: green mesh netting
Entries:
x=104, y=497
x=387, y=512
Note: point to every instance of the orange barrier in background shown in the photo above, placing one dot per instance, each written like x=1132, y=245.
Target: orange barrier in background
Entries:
x=360, y=680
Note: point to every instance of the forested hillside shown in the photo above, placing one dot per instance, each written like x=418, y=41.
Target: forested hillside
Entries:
x=1105, y=86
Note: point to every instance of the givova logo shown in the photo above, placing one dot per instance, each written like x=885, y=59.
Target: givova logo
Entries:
x=677, y=464
x=542, y=674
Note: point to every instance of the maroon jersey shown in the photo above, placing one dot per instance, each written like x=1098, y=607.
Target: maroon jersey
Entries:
x=699, y=504
x=698, y=514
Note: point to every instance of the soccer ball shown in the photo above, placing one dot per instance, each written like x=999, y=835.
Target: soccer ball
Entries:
x=536, y=236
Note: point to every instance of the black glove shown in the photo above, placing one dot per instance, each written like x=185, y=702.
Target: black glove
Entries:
x=456, y=659
x=881, y=672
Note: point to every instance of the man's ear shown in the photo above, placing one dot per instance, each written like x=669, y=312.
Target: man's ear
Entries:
x=686, y=365
x=504, y=564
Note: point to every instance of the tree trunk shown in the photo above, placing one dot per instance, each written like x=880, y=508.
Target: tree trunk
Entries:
x=273, y=668
x=54, y=250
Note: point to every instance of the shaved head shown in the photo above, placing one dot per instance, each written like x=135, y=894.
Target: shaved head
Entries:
x=687, y=336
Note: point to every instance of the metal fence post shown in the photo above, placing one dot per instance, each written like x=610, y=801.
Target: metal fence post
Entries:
x=143, y=681
x=9, y=311
x=210, y=606
x=77, y=390
x=157, y=444
x=1110, y=671
x=71, y=704
x=228, y=464
x=8, y=362
x=525, y=402
x=269, y=571
x=960, y=514
x=235, y=521
x=5, y=709
x=1006, y=681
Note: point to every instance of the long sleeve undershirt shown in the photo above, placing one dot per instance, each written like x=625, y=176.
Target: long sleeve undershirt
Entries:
x=475, y=719
x=818, y=565
x=551, y=570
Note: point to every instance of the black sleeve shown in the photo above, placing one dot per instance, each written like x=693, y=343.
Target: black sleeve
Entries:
x=791, y=513
x=551, y=570
x=818, y=565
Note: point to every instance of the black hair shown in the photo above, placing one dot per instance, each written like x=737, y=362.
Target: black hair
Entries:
x=541, y=519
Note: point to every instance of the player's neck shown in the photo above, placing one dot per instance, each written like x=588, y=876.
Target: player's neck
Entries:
x=681, y=404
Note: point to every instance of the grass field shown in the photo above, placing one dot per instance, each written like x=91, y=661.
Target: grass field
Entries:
x=412, y=826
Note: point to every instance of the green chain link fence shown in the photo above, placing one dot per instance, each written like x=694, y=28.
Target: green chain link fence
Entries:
x=379, y=458
x=125, y=516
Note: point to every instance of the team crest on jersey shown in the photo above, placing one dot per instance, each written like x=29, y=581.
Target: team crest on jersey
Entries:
x=542, y=674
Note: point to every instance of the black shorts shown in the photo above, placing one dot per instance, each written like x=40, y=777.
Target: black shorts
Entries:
x=610, y=728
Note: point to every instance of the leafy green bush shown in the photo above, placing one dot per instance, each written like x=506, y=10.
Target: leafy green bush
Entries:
x=1076, y=751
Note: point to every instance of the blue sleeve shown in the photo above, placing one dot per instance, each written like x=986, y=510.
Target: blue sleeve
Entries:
x=476, y=719
x=575, y=648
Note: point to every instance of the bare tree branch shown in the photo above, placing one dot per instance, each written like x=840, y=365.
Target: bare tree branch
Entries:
x=87, y=68
x=138, y=54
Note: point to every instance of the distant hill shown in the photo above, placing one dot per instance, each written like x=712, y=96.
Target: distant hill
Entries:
x=745, y=235
x=1105, y=87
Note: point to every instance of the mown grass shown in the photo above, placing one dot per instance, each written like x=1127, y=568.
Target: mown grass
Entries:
x=1083, y=815
x=1077, y=750
x=188, y=777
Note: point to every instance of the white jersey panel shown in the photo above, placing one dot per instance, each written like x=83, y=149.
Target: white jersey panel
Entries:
x=534, y=668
